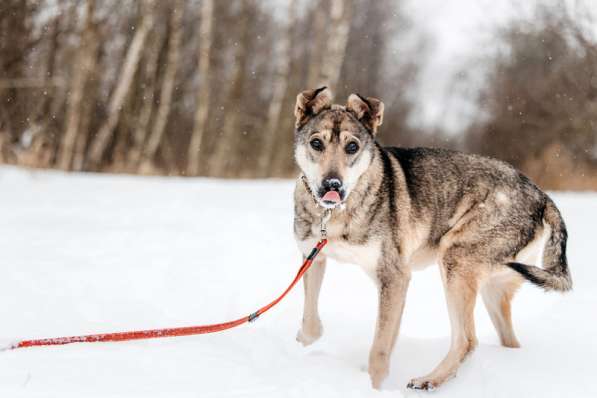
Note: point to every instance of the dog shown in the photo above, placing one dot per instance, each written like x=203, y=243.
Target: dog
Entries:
x=397, y=210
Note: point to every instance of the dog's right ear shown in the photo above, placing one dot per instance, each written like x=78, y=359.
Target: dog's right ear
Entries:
x=309, y=103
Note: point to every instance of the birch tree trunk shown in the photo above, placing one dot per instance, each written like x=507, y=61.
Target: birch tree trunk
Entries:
x=340, y=16
x=88, y=108
x=168, y=85
x=280, y=87
x=83, y=65
x=92, y=87
x=202, y=110
x=131, y=62
x=142, y=126
x=16, y=31
x=50, y=63
x=59, y=100
x=222, y=160
x=317, y=44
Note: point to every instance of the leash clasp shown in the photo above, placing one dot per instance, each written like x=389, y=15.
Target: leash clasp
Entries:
x=327, y=213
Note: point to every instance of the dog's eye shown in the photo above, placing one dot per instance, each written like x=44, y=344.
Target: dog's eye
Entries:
x=316, y=144
x=351, y=148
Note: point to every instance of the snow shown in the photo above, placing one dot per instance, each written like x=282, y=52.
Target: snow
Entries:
x=96, y=253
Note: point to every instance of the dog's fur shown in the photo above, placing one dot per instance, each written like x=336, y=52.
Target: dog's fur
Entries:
x=478, y=218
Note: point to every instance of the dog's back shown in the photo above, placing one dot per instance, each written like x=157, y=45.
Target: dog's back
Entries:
x=445, y=185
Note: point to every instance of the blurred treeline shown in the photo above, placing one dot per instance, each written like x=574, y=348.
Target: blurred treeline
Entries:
x=184, y=87
x=205, y=87
x=539, y=103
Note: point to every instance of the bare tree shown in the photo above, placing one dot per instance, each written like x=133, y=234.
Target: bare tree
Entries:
x=123, y=86
x=16, y=41
x=141, y=129
x=202, y=107
x=167, y=87
x=280, y=86
x=222, y=159
x=320, y=14
x=340, y=15
x=541, y=92
x=83, y=65
x=50, y=64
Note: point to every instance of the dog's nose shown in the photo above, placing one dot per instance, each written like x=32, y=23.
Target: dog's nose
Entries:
x=332, y=184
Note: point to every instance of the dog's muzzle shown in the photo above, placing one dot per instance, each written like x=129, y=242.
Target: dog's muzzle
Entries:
x=332, y=192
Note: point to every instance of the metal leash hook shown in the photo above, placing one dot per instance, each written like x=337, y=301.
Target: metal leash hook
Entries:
x=327, y=214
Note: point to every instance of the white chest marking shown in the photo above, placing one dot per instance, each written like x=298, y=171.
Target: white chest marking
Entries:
x=366, y=256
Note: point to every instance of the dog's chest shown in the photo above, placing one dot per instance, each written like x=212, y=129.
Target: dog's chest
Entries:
x=344, y=244
x=365, y=256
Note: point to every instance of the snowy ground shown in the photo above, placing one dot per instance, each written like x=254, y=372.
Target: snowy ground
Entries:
x=90, y=253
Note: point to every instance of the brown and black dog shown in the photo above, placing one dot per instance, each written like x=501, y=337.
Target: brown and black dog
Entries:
x=397, y=210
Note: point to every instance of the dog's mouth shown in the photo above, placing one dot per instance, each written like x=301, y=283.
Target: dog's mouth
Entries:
x=331, y=198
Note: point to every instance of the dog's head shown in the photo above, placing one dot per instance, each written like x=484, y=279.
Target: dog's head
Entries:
x=333, y=143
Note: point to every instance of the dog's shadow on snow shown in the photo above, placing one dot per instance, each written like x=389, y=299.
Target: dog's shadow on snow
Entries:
x=412, y=357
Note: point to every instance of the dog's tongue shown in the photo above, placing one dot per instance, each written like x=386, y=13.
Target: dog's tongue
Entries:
x=331, y=196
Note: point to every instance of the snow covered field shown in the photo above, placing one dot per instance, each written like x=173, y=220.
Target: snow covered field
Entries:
x=94, y=253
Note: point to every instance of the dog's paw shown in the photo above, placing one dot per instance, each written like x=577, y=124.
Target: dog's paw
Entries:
x=377, y=377
x=308, y=336
x=423, y=383
x=379, y=368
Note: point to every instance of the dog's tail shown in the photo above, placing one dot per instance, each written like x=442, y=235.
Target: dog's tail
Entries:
x=555, y=274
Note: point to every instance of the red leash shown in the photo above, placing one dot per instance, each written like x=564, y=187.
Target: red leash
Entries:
x=181, y=331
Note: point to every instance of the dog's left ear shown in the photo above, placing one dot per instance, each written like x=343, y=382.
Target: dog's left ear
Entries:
x=368, y=111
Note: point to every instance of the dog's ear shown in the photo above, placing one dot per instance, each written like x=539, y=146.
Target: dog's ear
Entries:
x=310, y=103
x=368, y=111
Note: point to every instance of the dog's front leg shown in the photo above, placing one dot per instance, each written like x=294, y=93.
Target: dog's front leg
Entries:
x=392, y=284
x=311, y=329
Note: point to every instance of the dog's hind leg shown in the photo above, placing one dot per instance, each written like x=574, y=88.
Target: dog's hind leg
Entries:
x=497, y=295
x=461, y=286
x=311, y=329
